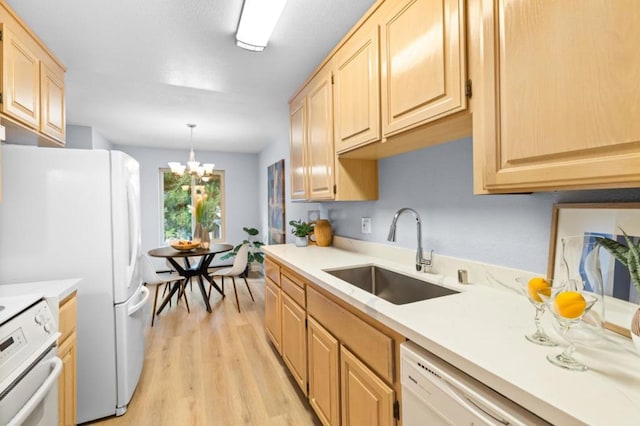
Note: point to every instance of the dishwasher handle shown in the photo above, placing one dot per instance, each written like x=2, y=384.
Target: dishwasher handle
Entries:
x=39, y=395
x=467, y=402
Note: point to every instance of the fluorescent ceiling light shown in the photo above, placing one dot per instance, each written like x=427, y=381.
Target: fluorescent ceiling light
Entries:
x=257, y=21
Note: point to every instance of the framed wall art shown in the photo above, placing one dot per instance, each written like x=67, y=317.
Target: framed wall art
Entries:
x=275, y=202
x=587, y=224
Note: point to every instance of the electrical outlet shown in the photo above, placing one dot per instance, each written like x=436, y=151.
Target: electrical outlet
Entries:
x=365, y=228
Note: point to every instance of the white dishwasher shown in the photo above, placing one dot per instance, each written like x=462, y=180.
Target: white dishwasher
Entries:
x=436, y=393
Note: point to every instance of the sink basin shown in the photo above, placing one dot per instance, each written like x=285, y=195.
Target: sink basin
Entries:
x=391, y=286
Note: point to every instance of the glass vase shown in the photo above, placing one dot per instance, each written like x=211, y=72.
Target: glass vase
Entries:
x=579, y=268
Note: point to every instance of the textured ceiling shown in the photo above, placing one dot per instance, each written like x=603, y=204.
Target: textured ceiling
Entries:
x=138, y=71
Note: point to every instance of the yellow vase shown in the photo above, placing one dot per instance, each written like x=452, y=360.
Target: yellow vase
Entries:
x=323, y=233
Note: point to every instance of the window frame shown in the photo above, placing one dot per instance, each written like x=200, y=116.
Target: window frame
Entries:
x=223, y=209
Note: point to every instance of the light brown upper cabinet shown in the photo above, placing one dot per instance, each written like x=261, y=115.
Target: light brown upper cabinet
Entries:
x=400, y=80
x=20, y=80
x=311, y=141
x=556, y=94
x=320, y=153
x=316, y=173
x=32, y=84
x=52, y=121
x=423, y=70
x=297, y=140
x=357, y=89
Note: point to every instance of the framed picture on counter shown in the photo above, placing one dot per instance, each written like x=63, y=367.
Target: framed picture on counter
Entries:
x=577, y=232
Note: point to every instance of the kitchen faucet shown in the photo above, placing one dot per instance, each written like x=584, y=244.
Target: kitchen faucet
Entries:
x=420, y=261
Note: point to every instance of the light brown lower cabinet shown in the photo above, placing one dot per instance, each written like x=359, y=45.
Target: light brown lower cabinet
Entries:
x=324, y=386
x=342, y=359
x=272, y=319
x=67, y=351
x=294, y=340
x=366, y=399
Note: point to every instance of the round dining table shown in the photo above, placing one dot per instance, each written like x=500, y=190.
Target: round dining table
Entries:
x=188, y=271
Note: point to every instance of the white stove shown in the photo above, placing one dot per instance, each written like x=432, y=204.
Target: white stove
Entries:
x=29, y=365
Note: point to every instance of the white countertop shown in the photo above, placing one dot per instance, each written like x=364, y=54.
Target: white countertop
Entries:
x=481, y=331
x=58, y=289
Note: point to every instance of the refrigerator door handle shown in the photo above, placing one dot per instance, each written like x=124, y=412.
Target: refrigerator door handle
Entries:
x=134, y=245
x=135, y=308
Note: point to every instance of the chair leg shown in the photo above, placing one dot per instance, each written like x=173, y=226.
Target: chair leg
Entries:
x=248, y=288
x=166, y=287
x=236, y=292
x=184, y=294
x=153, y=311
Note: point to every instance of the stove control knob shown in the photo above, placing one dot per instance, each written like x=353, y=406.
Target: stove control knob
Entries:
x=48, y=327
x=39, y=318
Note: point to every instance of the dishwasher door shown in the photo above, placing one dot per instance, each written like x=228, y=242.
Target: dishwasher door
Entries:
x=436, y=393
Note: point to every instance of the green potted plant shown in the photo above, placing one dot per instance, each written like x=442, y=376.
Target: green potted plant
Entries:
x=255, y=255
x=301, y=230
x=629, y=256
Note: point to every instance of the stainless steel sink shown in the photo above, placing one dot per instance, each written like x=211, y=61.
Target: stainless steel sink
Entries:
x=391, y=286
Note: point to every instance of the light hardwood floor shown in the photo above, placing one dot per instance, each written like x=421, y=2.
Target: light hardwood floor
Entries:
x=214, y=369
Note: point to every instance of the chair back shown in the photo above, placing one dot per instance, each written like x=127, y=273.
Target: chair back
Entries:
x=240, y=262
x=149, y=275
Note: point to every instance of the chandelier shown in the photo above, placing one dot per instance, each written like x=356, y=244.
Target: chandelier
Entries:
x=193, y=167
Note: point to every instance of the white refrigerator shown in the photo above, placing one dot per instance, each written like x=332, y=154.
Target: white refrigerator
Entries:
x=76, y=213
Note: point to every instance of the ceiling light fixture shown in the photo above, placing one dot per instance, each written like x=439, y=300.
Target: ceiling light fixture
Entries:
x=193, y=167
x=257, y=21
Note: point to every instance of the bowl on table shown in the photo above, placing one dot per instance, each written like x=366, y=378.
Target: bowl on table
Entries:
x=184, y=245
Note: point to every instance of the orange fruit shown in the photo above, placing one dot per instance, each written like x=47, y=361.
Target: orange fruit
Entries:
x=536, y=285
x=569, y=304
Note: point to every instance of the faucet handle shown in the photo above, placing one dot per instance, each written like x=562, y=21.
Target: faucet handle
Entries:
x=424, y=263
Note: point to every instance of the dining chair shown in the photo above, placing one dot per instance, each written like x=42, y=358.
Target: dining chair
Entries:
x=152, y=278
x=237, y=270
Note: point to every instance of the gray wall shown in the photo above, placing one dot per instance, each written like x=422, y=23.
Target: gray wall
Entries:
x=293, y=211
x=85, y=137
x=508, y=230
x=241, y=192
x=99, y=141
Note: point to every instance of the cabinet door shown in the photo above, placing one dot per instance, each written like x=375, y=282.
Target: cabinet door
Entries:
x=294, y=340
x=320, y=150
x=20, y=80
x=423, y=62
x=560, y=99
x=272, y=311
x=52, y=121
x=324, y=381
x=67, y=382
x=366, y=399
x=356, y=90
x=298, y=142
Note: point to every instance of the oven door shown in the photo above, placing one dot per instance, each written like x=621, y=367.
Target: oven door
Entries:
x=33, y=398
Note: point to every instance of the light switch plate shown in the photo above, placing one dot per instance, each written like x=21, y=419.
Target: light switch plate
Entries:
x=365, y=228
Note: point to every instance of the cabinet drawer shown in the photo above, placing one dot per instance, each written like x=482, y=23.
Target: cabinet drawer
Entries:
x=272, y=270
x=294, y=289
x=68, y=309
x=369, y=344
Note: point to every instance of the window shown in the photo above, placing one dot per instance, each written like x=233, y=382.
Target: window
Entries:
x=180, y=194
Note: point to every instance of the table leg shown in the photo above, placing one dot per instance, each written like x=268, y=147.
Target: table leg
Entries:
x=204, y=293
